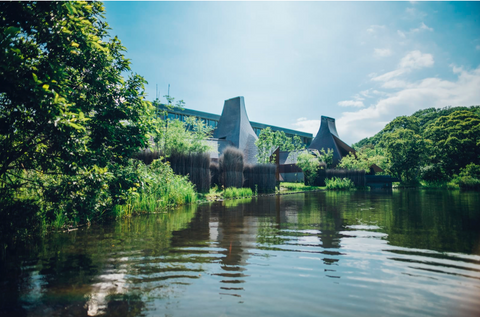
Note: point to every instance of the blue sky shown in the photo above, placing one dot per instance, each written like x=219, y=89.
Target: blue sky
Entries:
x=363, y=63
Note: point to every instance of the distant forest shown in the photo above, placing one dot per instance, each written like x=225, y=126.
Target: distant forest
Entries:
x=433, y=146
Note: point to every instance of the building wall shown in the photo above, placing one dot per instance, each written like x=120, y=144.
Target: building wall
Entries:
x=211, y=120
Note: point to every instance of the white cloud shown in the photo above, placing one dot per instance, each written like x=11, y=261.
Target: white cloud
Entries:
x=429, y=92
x=390, y=75
x=382, y=52
x=413, y=60
x=477, y=47
x=394, y=84
x=416, y=60
x=423, y=27
x=306, y=125
x=401, y=34
x=351, y=103
x=375, y=28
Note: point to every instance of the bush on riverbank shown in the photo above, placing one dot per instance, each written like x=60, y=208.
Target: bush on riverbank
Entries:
x=159, y=188
x=297, y=187
x=233, y=192
x=337, y=183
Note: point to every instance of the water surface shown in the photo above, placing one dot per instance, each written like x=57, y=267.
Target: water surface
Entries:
x=403, y=253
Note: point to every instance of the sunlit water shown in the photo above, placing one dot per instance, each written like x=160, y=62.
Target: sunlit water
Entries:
x=403, y=253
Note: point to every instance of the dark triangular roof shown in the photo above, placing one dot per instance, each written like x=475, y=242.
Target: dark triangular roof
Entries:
x=235, y=127
x=327, y=138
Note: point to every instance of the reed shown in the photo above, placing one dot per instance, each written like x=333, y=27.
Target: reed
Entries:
x=260, y=177
x=231, y=168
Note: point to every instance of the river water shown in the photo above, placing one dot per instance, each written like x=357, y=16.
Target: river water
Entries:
x=399, y=253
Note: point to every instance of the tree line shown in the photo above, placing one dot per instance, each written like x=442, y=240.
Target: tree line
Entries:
x=432, y=146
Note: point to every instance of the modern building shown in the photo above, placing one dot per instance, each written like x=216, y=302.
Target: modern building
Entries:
x=212, y=120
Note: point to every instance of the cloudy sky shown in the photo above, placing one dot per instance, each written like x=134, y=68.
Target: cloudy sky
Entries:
x=362, y=63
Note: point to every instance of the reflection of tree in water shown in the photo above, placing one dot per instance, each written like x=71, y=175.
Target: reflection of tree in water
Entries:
x=91, y=271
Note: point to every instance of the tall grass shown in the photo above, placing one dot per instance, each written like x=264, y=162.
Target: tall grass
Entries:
x=233, y=192
x=356, y=176
x=231, y=168
x=337, y=183
x=298, y=187
x=161, y=189
x=195, y=165
x=260, y=177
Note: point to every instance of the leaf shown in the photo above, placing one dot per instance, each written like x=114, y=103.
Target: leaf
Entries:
x=11, y=30
x=75, y=44
x=45, y=87
x=70, y=8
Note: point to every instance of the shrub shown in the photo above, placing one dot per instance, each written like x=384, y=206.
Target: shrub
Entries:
x=309, y=165
x=233, y=192
x=337, y=183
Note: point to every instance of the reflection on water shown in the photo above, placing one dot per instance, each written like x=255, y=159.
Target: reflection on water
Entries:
x=403, y=253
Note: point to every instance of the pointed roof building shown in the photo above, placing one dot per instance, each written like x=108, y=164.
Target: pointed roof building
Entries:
x=235, y=127
x=327, y=138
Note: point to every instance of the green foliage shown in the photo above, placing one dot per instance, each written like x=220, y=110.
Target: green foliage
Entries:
x=405, y=151
x=158, y=188
x=173, y=135
x=455, y=140
x=233, y=192
x=433, y=174
x=297, y=187
x=69, y=121
x=268, y=141
x=309, y=165
x=64, y=104
x=337, y=183
x=364, y=159
x=324, y=156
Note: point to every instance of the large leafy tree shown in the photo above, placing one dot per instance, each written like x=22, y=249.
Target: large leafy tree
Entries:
x=455, y=140
x=65, y=107
x=268, y=142
x=404, y=151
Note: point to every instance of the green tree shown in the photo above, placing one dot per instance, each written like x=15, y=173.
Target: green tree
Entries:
x=455, y=140
x=404, y=151
x=325, y=157
x=173, y=135
x=65, y=108
x=268, y=141
x=364, y=159
x=310, y=165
